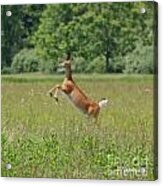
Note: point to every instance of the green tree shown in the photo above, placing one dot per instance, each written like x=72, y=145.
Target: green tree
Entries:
x=88, y=30
x=91, y=30
x=17, y=28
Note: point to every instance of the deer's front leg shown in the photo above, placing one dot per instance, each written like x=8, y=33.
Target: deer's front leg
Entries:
x=54, y=92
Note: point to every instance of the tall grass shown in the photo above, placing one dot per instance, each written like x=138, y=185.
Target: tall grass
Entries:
x=43, y=139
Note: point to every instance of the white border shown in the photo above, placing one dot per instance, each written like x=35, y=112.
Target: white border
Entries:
x=56, y=182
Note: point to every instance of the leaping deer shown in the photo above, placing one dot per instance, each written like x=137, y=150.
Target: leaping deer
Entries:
x=75, y=94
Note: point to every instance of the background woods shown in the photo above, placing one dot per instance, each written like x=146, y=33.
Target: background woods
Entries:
x=103, y=37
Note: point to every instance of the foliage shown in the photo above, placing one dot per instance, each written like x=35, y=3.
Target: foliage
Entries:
x=25, y=61
x=140, y=61
x=87, y=30
x=57, y=141
x=48, y=66
x=7, y=70
x=97, y=65
x=92, y=30
x=79, y=65
x=17, y=29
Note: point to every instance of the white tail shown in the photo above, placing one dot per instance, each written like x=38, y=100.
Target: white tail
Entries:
x=103, y=103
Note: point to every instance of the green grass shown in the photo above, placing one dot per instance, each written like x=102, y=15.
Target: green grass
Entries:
x=43, y=139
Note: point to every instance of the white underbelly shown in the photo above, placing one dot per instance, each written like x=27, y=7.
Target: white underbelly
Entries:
x=70, y=97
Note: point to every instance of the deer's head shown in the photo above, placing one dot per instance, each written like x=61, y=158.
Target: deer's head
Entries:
x=67, y=63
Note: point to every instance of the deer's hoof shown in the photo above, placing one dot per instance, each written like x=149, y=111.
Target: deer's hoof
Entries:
x=56, y=99
x=50, y=94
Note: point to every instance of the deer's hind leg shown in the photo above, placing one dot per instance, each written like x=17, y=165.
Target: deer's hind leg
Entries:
x=93, y=113
x=54, y=92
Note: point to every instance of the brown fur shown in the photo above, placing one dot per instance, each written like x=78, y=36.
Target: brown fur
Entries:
x=75, y=94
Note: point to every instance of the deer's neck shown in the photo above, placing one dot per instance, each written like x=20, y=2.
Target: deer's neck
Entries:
x=68, y=73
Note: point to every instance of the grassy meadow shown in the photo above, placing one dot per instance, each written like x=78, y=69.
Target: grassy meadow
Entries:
x=43, y=139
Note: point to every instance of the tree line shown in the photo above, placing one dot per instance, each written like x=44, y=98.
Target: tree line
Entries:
x=102, y=37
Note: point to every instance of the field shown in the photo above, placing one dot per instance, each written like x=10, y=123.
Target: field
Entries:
x=43, y=139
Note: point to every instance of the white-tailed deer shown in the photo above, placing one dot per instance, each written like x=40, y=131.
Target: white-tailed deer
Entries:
x=75, y=94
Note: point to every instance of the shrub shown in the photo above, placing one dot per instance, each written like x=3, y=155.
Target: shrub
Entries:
x=98, y=65
x=79, y=65
x=25, y=61
x=47, y=66
x=6, y=70
x=117, y=64
x=140, y=60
